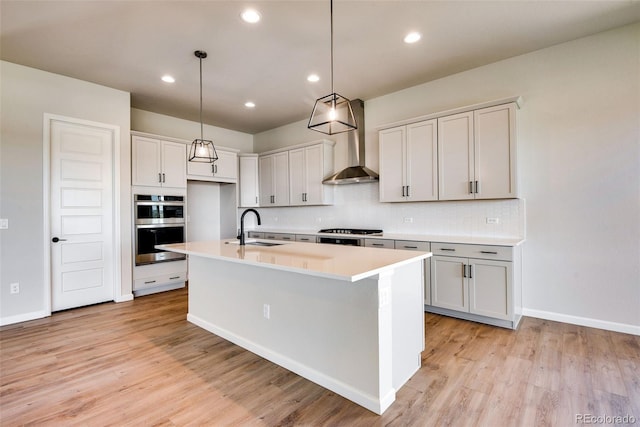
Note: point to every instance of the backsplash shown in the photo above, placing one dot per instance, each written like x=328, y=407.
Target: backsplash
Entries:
x=358, y=206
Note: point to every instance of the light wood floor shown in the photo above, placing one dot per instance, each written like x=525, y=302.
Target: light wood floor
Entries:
x=140, y=363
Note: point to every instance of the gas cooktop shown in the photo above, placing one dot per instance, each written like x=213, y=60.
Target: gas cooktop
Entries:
x=351, y=231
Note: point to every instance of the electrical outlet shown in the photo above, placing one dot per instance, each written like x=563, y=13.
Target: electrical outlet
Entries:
x=408, y=220
x=4, y=223
x=266, y=311
x=14, y=288
x=493, y=220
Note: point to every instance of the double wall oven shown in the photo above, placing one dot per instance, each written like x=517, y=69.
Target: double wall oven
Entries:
x=159, y=220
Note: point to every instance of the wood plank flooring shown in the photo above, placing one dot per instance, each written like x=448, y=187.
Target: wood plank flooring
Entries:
x=140, y=363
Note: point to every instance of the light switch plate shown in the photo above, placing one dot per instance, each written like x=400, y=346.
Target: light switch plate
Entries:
x=4, y=223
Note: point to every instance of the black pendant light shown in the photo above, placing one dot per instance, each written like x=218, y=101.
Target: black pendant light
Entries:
x=332, y=113
x=202, y=150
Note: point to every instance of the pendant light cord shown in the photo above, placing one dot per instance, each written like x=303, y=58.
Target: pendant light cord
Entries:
x=331, y=13
x=201, y=125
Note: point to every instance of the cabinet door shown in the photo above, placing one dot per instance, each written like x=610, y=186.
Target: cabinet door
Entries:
x=174, y=168
x=392, y=162
x=249, y=183
x=200, y=169
x=455, y=157
x=297, y=176
x=266, y=180
x=226, y=166
x=422, y=161
x=448, y=283
x=146, y=155
x=495, y=152
x=281, y=178
x=314, y=174
x=490, y=287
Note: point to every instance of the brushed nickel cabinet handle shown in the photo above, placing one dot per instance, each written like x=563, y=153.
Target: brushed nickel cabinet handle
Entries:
x=489, y=252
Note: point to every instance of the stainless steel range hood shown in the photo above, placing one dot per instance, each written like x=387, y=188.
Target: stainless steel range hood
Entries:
x=357, y=172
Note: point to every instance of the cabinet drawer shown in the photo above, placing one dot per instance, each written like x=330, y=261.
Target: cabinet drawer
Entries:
x=379, y=243
x=280, y=236
x=411, y=245
x=504, y=253
x=308, y=238
x=165, y=279
x=256, y=234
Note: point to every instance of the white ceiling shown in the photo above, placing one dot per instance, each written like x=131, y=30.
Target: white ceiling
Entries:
x=129, y=45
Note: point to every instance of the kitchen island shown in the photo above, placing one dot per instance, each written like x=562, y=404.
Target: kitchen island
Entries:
x=350, y=319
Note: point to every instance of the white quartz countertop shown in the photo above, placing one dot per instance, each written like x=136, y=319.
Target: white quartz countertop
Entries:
x=339, y=262
x=471, y=240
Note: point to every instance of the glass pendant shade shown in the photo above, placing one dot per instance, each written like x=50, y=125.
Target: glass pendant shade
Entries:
x=202, y=150
x=332, y=114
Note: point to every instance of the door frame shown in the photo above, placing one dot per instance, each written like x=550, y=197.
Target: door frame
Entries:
x=46, y=202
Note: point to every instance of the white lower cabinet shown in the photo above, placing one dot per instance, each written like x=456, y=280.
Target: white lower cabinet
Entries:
x=163, y=276
x=479, y=285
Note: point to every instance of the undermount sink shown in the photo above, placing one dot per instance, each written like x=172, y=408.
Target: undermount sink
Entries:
x=254, y=243
x=262, y=244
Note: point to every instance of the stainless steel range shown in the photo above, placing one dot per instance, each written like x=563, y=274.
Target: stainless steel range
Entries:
x=347, y=236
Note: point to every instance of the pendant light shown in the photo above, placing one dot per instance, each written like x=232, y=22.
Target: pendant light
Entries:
x=332, y=113
x=202, y=150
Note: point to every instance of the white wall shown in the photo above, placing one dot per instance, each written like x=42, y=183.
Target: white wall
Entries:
x=159, y=124
x=26, y=95
x=579, y=164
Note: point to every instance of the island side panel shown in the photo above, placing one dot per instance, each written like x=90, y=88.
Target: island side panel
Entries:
x=325, y=330
x=408, y=321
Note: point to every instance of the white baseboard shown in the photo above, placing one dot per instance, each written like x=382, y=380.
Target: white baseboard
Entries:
x=363, y=399
x=23, y=317
x=583, y=321
x=123, y=298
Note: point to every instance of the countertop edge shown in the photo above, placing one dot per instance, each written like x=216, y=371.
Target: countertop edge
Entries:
x=415, y=256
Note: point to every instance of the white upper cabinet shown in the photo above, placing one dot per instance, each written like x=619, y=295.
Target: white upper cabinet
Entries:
x=308, y=166
x=455, y=157
x=225, y=169
x=477, y=154
x=158, y=163
x=274, y=179
x=408, y=163
x=495, y=152
x=249, y=184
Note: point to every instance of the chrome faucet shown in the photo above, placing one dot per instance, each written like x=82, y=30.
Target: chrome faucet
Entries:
x=242, y=223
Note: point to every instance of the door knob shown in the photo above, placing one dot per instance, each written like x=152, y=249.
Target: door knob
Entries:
x=56, y=240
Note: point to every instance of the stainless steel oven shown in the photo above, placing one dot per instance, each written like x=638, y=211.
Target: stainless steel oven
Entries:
x=159, y=220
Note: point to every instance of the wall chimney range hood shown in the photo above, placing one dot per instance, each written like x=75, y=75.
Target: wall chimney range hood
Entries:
x=356, y=172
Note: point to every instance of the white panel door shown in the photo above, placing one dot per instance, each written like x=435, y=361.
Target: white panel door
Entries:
x=281, y=178
x=174, y=166
x=422, y=161
x=495, y=152
x=265, y=171
x=448, y=283
x=314, y=173
x=392, y=164
x=455, y=157
x=81, y=214
x=297, y=177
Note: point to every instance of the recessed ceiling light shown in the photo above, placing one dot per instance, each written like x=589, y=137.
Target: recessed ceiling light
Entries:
x=250, y=15
x=249, y=104
x=313, y=78
x=168, y=79
x=412, y=37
